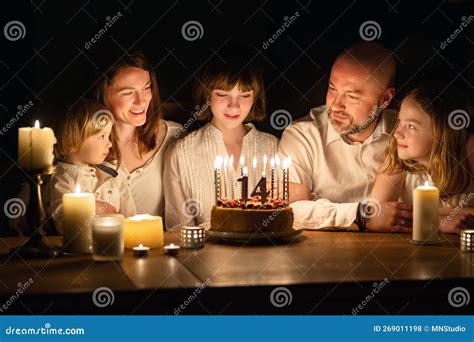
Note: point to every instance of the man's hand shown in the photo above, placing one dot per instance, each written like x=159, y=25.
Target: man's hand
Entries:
x=456, y=223
x=389, y=217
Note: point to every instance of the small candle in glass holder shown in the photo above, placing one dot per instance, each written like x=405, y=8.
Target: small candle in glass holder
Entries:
x=107, y=237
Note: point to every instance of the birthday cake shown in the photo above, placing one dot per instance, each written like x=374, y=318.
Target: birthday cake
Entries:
x=251, y=216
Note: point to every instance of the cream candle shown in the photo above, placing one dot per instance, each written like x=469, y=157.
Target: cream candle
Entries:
x=277, y=165
x=79, y=210
x=425, y=214
x=35, y=147
x=143, y=229
x=107, y=237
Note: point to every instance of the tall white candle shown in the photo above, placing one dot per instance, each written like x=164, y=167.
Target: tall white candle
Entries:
x=425, y=213
x=35, y=147
x=79, y=210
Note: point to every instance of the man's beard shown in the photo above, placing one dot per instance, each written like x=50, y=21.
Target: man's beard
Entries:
x=355, y=128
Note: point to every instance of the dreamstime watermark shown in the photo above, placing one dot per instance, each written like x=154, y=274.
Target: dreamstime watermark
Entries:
x=280, y=119
x=288, y=22
x=199, y=110
x=192, y=30
x=110, y=22
x=102, y=119
x=22, y=110
x=14, y=30
x=280, y=297
x=102, y=297
x=458, y=296
x=377, y=288
x=191, y=208
x=19, y=291
x=371, y=208
x=46, y=330
x=14, y=208
x=370, y=30
x=463, y=202
x=459, y=119
x=199, y=288
x=465, y=22
x=277, y=211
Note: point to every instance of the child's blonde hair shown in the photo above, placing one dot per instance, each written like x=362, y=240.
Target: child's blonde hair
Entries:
x=80, y=122
x=448, y=167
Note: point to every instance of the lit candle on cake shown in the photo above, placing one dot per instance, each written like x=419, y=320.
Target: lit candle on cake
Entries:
x=225, y=187
x=35, y=147
x=254, y=171
x=277, y=164
x=425, y=213
x=242, y=164
x=231, y=176
x=286, y=168
x=79, y=210
x=143, y=229
x=272, y=176
x=245, y=183
x=217, y=177
x=263, y=188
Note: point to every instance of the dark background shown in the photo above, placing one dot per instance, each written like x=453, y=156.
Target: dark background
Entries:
x=52, y=67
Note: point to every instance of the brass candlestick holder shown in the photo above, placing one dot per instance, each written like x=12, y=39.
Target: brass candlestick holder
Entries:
x=37, y=246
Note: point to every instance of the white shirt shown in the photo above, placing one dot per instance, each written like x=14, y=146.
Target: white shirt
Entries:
x=189, y=172
x=113, y=190
x=339, y=174
x=146, y=182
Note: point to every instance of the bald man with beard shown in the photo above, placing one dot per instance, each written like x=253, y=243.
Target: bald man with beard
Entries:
x=338, y=149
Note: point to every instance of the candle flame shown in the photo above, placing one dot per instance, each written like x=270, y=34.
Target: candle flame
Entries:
x=37, y=124
x=140, y=246
x=78, y=189
x=245, y=171
x=427, y=183
x=226, y=160
x=263, y=174
x=218, y=162
x=231, y=161
x=254, y=162
x=242, y=160
x=265, y=159
x=286, y=163
x=277, y=160
x=172, y=245
x=272, y=162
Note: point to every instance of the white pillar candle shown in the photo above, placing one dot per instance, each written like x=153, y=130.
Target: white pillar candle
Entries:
x=107, y=237
x=425, y=213
x=35, y=147
x=79, y=209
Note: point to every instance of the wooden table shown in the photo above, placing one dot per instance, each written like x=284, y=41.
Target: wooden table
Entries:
x=315, y=273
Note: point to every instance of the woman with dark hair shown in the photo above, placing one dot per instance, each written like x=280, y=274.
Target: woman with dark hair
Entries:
x=129, y=89
x=230, y=95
